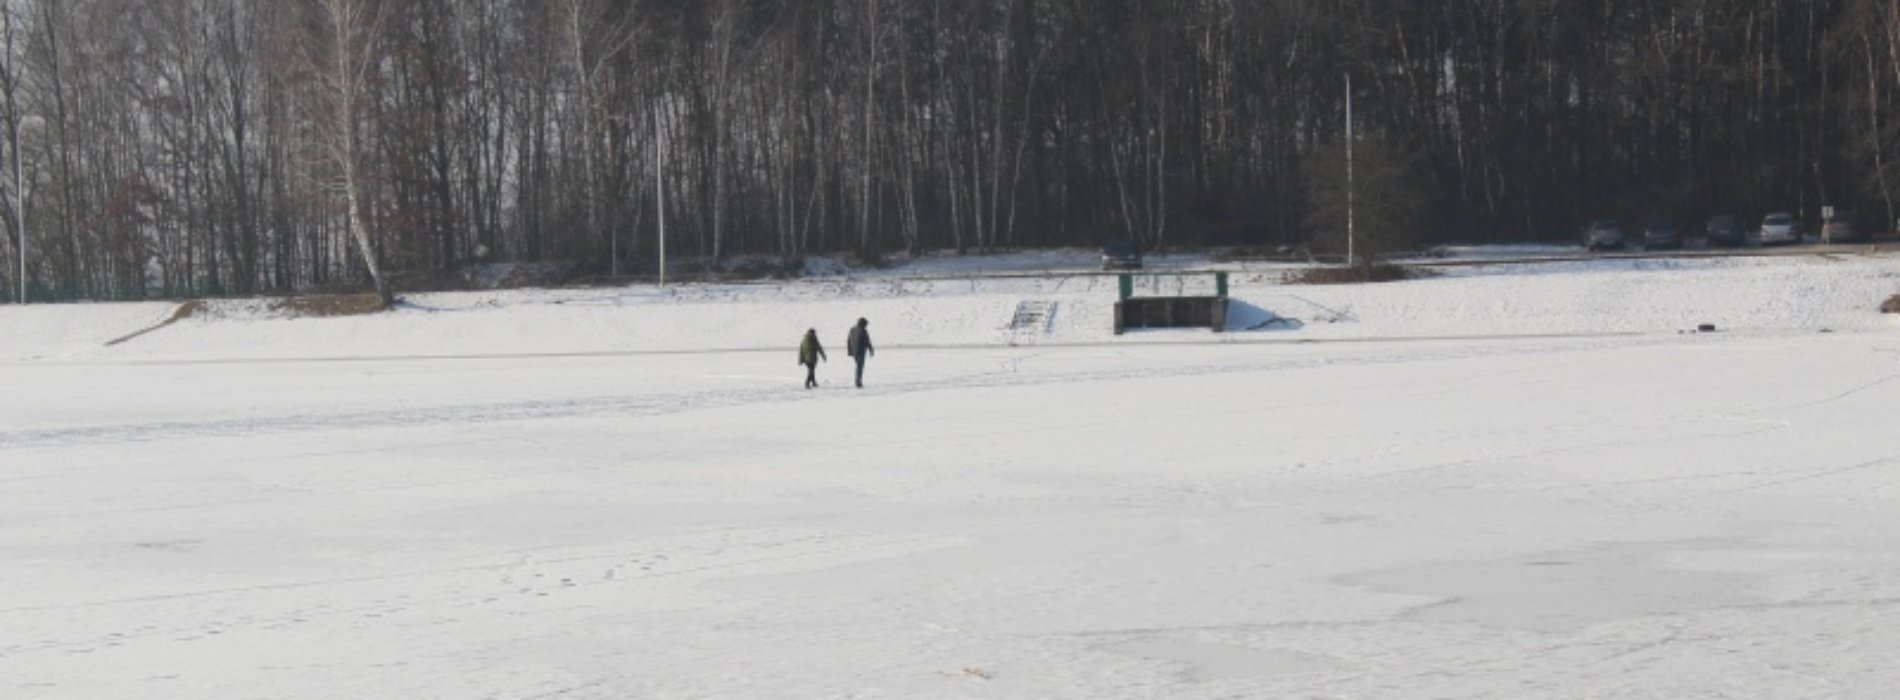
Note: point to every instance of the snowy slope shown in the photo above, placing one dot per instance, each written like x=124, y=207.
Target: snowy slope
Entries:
x=60, y=330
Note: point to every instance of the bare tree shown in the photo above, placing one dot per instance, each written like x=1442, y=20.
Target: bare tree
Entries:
x=180, y=147
x=343, y=50
x=10, y=77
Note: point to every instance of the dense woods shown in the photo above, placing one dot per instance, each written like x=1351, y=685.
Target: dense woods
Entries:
x=221, y=147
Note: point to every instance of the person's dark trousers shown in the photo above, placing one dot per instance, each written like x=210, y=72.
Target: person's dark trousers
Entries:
x=811, y=376
x=860, y=379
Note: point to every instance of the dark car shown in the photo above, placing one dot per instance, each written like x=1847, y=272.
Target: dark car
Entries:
x=1659, y=236
x=1603, y=235
x=1725, y=230
x=1841, y=228
x=1121, y=255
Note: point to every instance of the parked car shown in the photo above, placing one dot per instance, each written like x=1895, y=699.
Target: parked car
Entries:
x=1121, y=254
x=1603, y=235
x=1660, y=235
x=1778, y=228
x=1840, y=228
x=1725, y=230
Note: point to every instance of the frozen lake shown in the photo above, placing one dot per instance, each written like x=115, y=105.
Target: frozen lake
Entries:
x=303, y=512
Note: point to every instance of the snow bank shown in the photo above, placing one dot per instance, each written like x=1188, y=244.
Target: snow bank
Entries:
x=1574, y=297
x=62, y=330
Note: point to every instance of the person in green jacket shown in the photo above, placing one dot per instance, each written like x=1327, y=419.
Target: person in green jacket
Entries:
x=809, y=354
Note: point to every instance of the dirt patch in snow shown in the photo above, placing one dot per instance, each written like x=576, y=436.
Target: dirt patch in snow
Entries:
x=327, y=305
x=184, y=311
x=1357, y=275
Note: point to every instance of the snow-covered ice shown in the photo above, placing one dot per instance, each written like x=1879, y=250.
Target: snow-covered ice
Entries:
x=1523, y=481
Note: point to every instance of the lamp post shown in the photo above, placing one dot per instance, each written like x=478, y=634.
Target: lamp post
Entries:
x=659, y=188
x=1349, y=180
x=613, y=255
x=659, y=195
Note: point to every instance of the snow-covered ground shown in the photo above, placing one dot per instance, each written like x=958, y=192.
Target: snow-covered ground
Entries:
x=1507, y=482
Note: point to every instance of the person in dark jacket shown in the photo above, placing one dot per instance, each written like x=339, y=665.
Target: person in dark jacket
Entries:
x=809, y=354
x=858, y=345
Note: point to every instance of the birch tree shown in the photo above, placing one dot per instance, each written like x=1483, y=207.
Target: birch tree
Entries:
x=343, y=51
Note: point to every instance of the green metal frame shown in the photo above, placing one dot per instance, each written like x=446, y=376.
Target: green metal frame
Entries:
x=1127, y=285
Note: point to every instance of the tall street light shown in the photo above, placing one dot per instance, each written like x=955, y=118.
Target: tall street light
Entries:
x=1349, y=181
x=15, y=127
x=659, y=188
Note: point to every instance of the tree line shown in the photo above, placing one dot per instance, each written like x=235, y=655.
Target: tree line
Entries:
x=231, y=147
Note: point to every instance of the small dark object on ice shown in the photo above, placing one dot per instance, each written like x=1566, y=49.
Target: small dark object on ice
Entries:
x=1705, y=328
x=1891, y=305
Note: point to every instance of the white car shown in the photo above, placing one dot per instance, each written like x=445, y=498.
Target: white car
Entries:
x=1779, y=228
x=1603, y=235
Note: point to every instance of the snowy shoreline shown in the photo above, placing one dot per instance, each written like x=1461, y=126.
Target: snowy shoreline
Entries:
x=1573, y=297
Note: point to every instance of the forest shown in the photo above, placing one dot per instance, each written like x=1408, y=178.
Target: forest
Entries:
x=172, y=148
